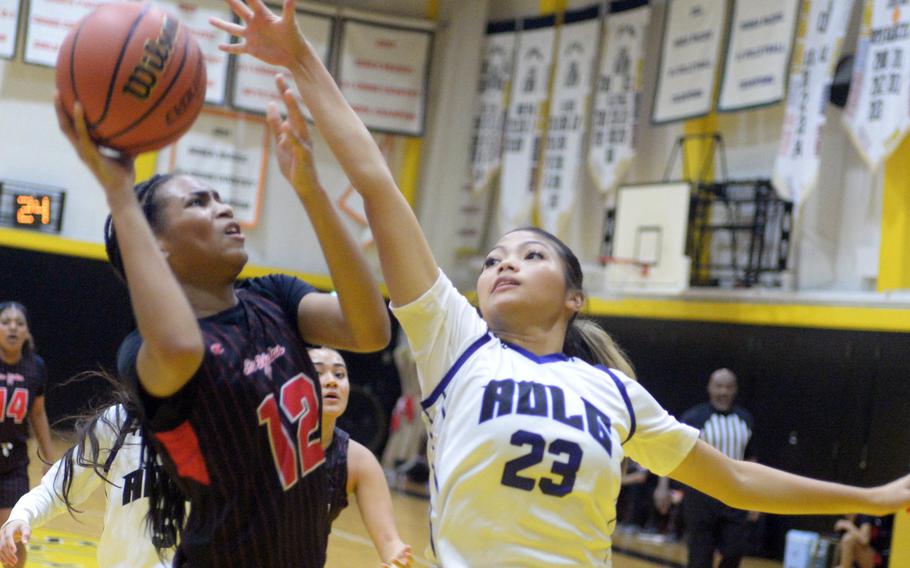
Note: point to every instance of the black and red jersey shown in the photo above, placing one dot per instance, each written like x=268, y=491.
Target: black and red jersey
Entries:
x=243, y=437
x=336, y=463
x=20, y=385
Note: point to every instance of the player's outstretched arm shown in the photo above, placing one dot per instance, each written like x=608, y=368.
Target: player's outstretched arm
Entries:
x=752, y=486
x=407, y=262
x=44, y=501
x=355, y=319
x=367, y=481
x=172, y=345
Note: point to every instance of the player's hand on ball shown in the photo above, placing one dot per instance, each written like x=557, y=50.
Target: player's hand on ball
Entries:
x=13, y=532
x=294, y=148
x=113, y=173
x=264, y=35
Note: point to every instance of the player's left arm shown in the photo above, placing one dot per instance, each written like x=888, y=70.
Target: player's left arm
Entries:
x=37, y=418
x=752, y=486
x=367, y=481
x=355, y=319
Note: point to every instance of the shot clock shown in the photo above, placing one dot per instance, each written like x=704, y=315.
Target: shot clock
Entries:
x=30, y=206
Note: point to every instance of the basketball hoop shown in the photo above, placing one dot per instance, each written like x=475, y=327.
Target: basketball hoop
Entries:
x=643, y=267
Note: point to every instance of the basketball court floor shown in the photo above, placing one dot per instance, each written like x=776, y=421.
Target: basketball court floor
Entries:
x=66, y=542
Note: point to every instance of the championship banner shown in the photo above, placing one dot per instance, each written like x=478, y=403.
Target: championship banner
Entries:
x=758, y=53
x=492, y=97
x=688, y=59
x=228, y=151
x=9, y=24
x=877, y=114
x=818, y=47
x=195, y=16
x=617, y=95
x=563, y=156
x=48, y=23
x=383, y=72
x=254, y=81
x=524, y=122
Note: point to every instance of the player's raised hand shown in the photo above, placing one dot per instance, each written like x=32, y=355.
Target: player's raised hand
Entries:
x=114, y=174
x=13, y=532
x=264, y=35
x=294, y=148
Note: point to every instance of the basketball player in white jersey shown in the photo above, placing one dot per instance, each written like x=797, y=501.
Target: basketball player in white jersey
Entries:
x=526, y=438
x=112, y=450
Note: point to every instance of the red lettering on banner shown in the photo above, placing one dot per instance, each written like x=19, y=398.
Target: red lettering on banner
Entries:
x=385, y=42
x=384, y=66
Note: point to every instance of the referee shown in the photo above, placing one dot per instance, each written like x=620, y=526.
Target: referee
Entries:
x=710, y=524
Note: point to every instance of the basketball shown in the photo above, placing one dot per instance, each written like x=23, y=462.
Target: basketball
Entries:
x=138, y=74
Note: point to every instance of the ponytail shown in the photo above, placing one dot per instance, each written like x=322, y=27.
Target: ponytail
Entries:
x=589, y=342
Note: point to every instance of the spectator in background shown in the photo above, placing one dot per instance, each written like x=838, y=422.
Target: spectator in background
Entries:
x=710, y=524
x=865, y=540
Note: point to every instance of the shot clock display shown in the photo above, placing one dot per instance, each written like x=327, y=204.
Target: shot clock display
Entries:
x=30, y=206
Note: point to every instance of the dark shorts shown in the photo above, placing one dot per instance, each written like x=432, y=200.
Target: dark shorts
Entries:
x=13, y=485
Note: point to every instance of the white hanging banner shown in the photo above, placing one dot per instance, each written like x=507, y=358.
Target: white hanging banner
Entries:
x=48, y=23
x=818, y=48
x=492, y=97
x=524, y=122
x=230, y=152
x=758, y=53
x=9, y=24
x=383, y=72
x=688, y=59
x=254, y=81
x=561, y=168
x=617, y=95
x=877, y=114
x=195, y=16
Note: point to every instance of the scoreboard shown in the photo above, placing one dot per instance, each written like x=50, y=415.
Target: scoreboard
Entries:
x=31, y=206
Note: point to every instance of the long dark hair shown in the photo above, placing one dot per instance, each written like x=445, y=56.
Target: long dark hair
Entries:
x=126, y=419
x=28, y=348
x=167, y=503
x=151, y=208
x=87, y=451
x=585, y=338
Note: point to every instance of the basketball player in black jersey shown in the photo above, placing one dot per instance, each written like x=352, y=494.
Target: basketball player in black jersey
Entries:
x=352, y=468
x=230, y=398
x=22, y=381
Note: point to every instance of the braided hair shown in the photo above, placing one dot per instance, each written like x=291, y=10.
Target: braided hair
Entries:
x=167, y=503
x=151, y=208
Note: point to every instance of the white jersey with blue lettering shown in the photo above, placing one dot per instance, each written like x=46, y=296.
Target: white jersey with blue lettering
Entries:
x=125, y=541
x=525, y=450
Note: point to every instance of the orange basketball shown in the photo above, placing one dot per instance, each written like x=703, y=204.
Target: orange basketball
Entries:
x=137, y=72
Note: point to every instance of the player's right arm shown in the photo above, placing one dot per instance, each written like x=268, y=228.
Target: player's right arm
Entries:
x=368, y=483
x=407, y=263
x=44, y=502
x=172, y=347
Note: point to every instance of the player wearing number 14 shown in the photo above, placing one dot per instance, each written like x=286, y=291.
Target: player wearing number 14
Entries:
x=22, y=380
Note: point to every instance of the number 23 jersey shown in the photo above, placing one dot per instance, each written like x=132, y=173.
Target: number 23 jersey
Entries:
x=525, y=450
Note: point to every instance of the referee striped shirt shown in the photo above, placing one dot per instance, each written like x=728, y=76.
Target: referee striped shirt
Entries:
x=729, y=432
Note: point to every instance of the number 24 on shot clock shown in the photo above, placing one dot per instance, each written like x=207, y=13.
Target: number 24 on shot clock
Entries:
x=32, y=210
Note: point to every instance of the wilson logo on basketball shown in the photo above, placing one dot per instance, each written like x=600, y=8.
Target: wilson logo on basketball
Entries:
x=157, y=53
